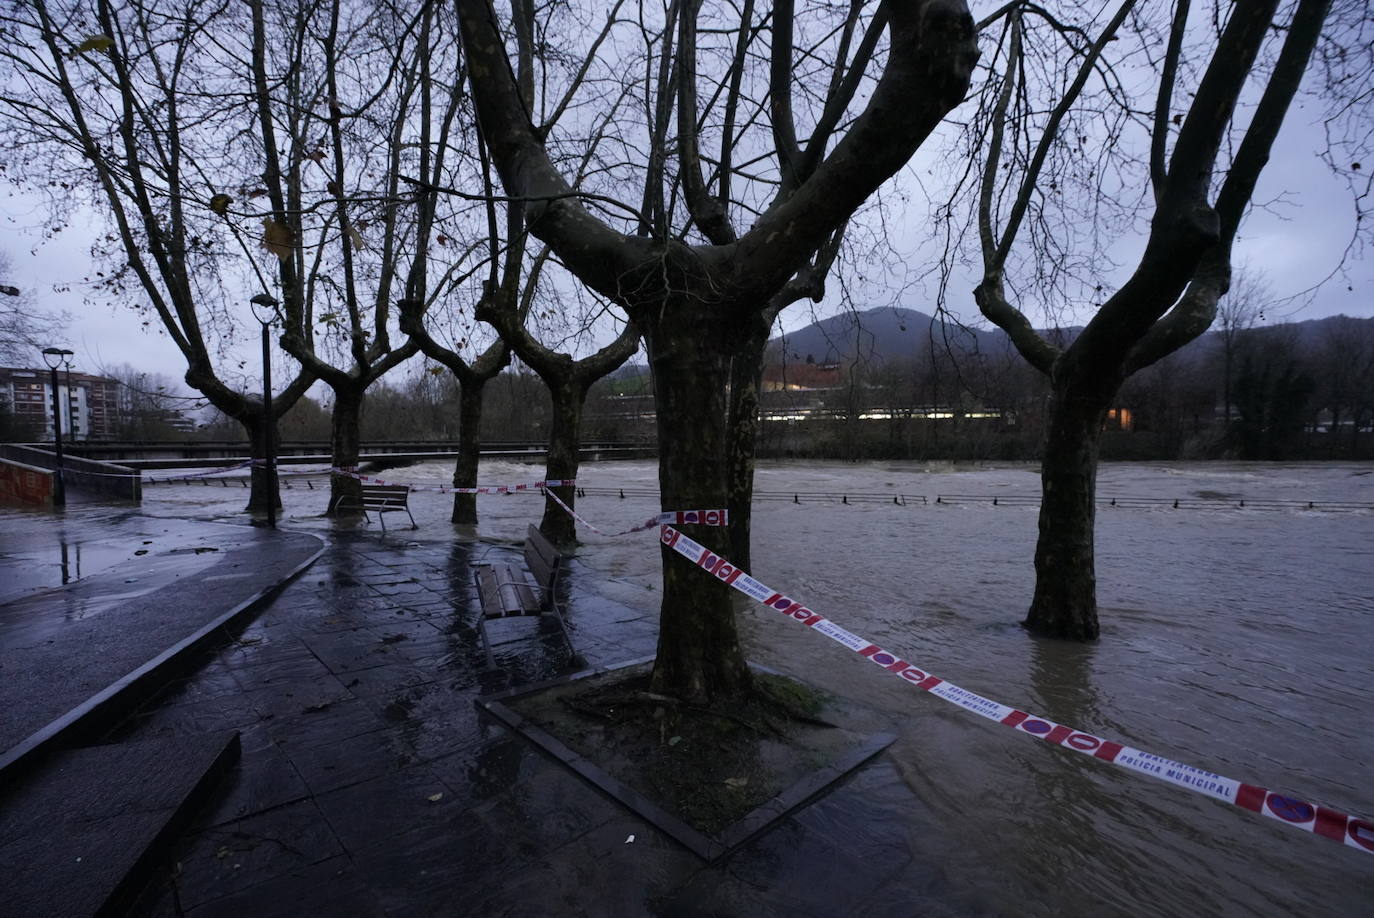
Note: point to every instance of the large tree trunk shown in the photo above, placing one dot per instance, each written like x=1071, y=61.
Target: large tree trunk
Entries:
x=346, y=444
x=746, y=378
x=699, y=655
x=470, y=396
x=1065, y=600
x=565, y=444
x=263, y=489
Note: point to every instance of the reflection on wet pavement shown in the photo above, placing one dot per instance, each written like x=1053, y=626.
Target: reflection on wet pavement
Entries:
x=366, y=766
x=38, y=553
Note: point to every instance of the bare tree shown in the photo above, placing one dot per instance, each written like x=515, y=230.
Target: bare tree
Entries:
x=508, y=294
x=1237, y=312
x=691, y=281
x=472, y=377
x=150, y=404
x=1274, y=391
x=1202, y=165
x=22, y=325
x=1343, y=365
x=344, y=94
x=511, y=290
x=126, y=107
x=568, y=379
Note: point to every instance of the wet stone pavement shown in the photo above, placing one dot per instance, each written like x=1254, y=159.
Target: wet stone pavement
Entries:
x=370, y=784
x=147, y=585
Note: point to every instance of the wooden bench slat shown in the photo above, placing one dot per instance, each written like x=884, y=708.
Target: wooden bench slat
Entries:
x=505, y=589
x=543, y=561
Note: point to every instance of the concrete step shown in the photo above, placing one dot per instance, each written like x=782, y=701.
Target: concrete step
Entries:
x=80, y=834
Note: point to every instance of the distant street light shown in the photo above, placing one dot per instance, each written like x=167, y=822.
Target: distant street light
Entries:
x=265, y=311
x=54, y=357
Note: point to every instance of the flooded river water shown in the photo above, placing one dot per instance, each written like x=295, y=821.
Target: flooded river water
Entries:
x=1236, y=640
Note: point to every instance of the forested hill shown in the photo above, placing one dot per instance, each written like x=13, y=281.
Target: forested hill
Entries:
x=881, y=335
x=897, y=335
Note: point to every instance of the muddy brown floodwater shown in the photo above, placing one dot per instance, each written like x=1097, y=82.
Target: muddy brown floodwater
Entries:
x=1240, y=641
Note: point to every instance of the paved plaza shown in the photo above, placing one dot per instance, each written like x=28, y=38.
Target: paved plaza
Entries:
x=368, y=782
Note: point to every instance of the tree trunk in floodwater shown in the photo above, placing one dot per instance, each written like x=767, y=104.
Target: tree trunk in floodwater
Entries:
x=346, y=443
x=565, y=445
x=1065, y=600
x=470, y=396
x=263, y=488
x=699, y=655
x=746, y=378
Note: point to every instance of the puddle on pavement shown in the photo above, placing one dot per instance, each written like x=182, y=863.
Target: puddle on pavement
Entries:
x=33, y=568
x=47, y=555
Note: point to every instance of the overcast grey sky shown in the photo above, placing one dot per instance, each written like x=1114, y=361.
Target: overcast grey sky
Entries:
x=1293, y=243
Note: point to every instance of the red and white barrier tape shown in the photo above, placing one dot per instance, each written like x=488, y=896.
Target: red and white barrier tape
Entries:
x=670, y=517
x=500, y=489
x=1349, y=830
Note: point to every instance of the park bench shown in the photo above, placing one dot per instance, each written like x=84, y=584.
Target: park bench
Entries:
x=380, y=499
x=504, y=589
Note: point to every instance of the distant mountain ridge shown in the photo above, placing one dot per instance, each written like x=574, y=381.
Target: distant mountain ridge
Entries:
x=880, y=335
x=893, y=333
x=896, y=334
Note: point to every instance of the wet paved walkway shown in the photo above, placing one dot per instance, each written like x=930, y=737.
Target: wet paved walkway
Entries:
x=370, y=785
x=91, y=595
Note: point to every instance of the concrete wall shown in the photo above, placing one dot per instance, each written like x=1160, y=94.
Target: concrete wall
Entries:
x=104, y=478
x=25, y=485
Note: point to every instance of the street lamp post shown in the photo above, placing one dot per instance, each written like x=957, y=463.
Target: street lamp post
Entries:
x=54, y=358
x=265, y=310
x=71, y=415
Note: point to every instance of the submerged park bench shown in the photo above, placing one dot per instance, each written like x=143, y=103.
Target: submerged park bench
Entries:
x=380, y=499
x=504, y=589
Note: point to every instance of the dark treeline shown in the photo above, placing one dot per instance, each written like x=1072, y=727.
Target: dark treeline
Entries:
x=1296, y=391
x=1293, y=391
x=423, y=407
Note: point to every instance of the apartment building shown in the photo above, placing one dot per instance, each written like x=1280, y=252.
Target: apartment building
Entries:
x=87, y=406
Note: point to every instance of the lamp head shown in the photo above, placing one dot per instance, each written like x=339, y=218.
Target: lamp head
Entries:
x=264, y=307
x=54, y=357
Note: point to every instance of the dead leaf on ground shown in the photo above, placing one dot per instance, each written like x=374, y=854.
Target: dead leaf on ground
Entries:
x=736, y=782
